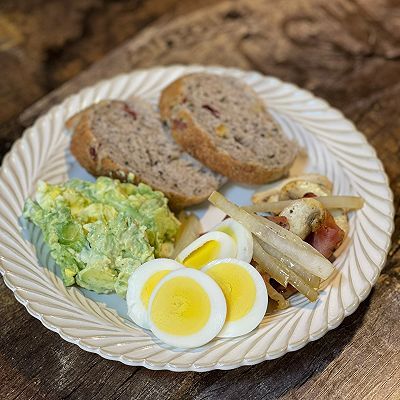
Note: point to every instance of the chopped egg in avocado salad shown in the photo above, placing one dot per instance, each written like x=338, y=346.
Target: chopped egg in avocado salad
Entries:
x=100, y=232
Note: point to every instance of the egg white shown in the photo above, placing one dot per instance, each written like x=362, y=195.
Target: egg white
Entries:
x=137, y=310
x=217, y=311
x=226, y=242
x=242, y=237
x=255, y=315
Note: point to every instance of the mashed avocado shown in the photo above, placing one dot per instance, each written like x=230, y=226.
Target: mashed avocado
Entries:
x=98, y=233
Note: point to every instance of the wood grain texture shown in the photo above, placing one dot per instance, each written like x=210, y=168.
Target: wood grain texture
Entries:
x=43, y=43
x=347, y=52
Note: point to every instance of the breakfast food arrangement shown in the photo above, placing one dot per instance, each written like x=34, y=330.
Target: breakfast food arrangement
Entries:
x=129, y=232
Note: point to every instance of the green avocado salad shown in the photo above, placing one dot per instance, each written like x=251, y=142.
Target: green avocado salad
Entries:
x=100, y=232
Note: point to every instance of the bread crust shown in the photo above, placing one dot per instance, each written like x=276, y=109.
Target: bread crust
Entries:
x=87, y=150
x=196, y=141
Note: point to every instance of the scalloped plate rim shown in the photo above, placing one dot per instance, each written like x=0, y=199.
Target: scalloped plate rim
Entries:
x=216, y=365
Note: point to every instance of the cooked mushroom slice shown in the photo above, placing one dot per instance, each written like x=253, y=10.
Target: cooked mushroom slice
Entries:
x=266, y=194
x=297, y=190
x=304, y=216
x=274, y=197
x=341, y=219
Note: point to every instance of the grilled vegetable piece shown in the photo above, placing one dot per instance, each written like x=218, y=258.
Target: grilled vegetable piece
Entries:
x=329, y=202
x=279, y=238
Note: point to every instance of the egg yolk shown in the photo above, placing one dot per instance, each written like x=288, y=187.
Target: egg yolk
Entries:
x=206, y=253
x=180, y=307
x=149, y=286
x=238, y=288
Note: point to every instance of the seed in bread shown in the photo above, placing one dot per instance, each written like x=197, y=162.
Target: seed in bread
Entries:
x=115, y=138
x=223, y=123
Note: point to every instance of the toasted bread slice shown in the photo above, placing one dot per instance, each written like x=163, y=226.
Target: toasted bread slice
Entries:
x=223, y=123
x=115, y=138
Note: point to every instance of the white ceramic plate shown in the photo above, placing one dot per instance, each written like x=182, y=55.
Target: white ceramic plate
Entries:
x=98, y=323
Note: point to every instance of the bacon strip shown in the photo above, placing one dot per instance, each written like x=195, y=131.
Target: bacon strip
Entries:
x=282, y=221
x=327, y=238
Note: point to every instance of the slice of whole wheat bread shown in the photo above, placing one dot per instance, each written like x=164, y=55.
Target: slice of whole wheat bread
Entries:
x=223, y=123
x=115, y=138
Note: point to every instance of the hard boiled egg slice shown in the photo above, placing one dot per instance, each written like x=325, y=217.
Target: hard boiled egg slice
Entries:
x=245, y=294
x=241, y=236
x=187, y=309
x=141, y=285
x=206, y=248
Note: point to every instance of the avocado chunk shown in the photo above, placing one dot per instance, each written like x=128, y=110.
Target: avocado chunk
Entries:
x=100, y=232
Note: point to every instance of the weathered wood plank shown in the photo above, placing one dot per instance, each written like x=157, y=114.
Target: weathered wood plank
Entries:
x=346, y=52
x=44, y=43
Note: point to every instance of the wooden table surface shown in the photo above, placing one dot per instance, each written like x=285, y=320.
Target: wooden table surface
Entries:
x=347, y=52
